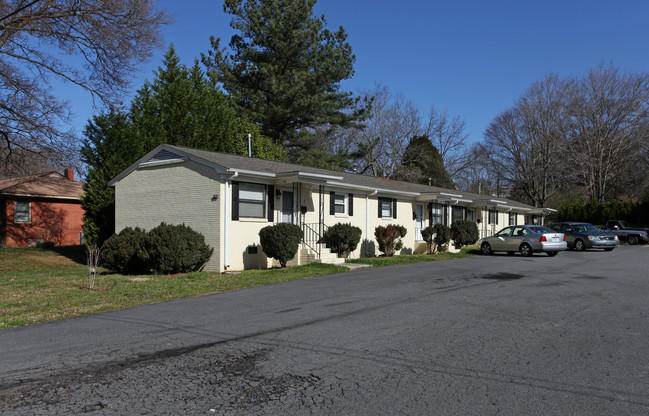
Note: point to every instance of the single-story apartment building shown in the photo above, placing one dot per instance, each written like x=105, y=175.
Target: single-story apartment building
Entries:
x=229, y=198
x=40, y=208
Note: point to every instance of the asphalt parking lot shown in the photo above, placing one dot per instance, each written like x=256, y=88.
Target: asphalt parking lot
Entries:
x=500, y=334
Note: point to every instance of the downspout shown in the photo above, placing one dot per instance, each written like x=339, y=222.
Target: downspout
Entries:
x=367, y=221
x=226, y=222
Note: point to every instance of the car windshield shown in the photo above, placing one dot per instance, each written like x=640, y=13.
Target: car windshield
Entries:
x=541, y=230
x=585, y=228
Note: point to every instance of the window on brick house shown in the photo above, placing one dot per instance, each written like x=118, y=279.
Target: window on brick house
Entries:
x=22, y=213
x=457, y=213
x=340, y=204
x=436, y=213
x=251, y=200
x=493, y=216
x=387, y=208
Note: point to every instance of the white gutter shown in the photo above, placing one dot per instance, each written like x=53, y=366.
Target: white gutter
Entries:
x=226, y=222
x=367, y=220
x=251, y=173
x=454, y=196
x=309, y=175
x=70, y=198
x=162, y=162
x=373, y=190
x=509, y=207
x=367, y=223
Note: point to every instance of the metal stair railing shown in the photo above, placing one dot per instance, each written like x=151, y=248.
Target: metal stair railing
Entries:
x=311, y=237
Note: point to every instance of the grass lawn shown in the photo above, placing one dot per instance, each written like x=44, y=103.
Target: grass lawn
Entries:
x=414, y=258
x=39, y=285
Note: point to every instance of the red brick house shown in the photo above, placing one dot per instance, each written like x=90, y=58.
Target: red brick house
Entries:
x=40, y=208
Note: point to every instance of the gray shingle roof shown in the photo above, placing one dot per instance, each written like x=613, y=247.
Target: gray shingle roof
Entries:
x=237, y=162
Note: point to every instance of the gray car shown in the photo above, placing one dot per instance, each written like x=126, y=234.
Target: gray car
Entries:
x=582, y=235
x=526, y=239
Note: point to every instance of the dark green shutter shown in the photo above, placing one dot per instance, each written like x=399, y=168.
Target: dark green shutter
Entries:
x=235, y=201
x=271, y=203
x=332, y=203
x=351, y=205
x=394, y=208
x=380, y=211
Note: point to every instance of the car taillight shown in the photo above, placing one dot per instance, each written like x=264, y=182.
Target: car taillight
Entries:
x=564, y=237
x=542, y=239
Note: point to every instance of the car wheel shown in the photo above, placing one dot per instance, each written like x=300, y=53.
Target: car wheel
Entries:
x=525, y=249
x=632, y=240
x=579, y=245
x=485, y=248
x=552, y=253
x=608, y=249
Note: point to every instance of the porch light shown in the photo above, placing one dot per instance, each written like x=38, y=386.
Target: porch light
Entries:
x=278, y=193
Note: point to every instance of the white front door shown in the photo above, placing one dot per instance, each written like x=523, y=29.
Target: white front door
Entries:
x=419, y=224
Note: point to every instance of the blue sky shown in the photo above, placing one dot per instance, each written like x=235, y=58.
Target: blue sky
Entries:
x=472, y=58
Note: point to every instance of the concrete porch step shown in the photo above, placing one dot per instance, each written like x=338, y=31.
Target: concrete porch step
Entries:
x=326, y=256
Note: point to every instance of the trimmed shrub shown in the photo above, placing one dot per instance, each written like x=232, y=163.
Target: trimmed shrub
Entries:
x=126, y=253
x=438, y=234
x=428, y=235
x=280, y=241
x=598, y=212
x=464, y=233
x=176, y=249
x=342, y=238
x=389, y=238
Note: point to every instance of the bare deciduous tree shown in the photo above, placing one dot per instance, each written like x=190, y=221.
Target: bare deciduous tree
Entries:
x=92, y=44
x=448, y=135
x=524, y=143
x=392, y=122
x=608, y=119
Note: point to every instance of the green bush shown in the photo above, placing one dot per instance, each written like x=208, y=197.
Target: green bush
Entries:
x=438, y=234
x=125, y=252
x=342, y=238
x=464, y=233
x=280, y=241
x=46, y=245
x=165, y=249
x=176, y=249
x=599, y=212
x=389, y=238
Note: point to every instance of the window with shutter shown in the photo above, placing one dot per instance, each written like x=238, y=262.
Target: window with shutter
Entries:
x=387, y=208
x=248, y=200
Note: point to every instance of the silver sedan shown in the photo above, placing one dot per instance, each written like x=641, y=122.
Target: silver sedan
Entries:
x=526, y=239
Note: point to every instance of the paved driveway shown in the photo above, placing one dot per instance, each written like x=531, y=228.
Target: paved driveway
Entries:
x=486, y=335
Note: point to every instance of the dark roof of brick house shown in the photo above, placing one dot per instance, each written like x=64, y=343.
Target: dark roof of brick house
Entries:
x=42, y=185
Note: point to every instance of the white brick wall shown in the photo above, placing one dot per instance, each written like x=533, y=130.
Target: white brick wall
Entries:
x=188, y=193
